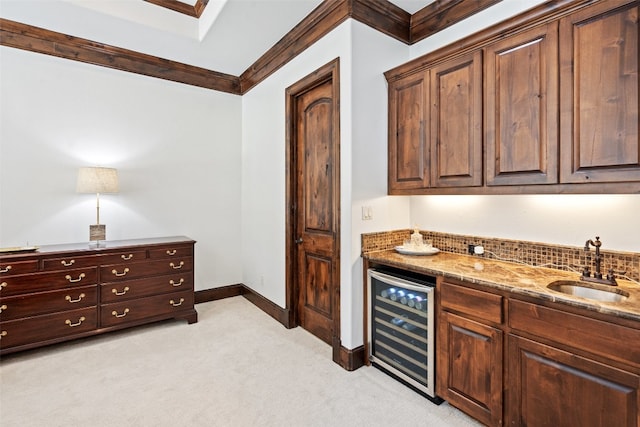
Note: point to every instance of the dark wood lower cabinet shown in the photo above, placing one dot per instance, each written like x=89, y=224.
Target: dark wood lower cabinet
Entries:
x=510, y=360
x=470, y=355
x=551, y=387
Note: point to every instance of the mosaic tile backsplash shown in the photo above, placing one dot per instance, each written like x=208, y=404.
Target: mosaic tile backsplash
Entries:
x=568, y=258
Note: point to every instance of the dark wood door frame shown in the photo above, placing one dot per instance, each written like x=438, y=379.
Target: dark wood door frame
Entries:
x=328, y=72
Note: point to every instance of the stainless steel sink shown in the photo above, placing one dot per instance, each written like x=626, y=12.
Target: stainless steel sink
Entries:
x=591, y=291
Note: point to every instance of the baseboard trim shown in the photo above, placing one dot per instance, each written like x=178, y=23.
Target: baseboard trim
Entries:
x=346, y=358
x=222, y=292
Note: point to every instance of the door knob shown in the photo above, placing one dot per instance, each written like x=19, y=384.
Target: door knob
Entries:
x=298, y=240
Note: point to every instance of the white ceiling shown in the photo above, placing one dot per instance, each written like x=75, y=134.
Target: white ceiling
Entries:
x=228, y=37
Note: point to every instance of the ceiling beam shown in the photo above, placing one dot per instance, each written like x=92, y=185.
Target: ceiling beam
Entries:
x=381, y=15
x=178, y=6
x=34, y=39
x=442, y=14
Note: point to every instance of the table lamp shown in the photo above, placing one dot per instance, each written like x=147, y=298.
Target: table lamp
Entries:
x=97, y=180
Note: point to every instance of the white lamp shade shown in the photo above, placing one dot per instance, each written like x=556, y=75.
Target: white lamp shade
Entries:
x=97, y=180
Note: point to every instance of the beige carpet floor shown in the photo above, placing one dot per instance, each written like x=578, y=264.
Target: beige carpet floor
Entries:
x=235, y=367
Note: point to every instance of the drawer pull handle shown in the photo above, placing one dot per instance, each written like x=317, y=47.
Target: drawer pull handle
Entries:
x=3, y=334
x=174, y=284
x=68, y=298
x=176, y=267
x=124, y=272
x=124, y=291
x=124, y=313
x=176, y=304
x=8, y=267
x=80, y=277
x=68, y=264
x=3, y=285
x=171, y=253
x=126, y=257
x=3, y=307
x=73, y=325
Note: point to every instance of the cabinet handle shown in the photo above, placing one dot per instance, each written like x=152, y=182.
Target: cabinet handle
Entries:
x=126, y=257
x=3, y=285
x=73, y=325
x=68, y=264
x=124, y=272
x=68, y=298
x=124, y=313
x=176, y=304
x=124, y=291
x=174, y=284
x=3, y=307
x=3, y=334
x=80, y=277
x=8, y=267
x=171, y=253
x=176, y=267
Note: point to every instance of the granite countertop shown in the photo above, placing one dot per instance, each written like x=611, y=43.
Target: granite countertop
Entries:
x=511, y=277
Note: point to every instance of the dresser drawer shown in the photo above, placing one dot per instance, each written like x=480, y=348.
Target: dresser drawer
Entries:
x=171, y=252
x=133, y=310
x=48, y=302
x=10, y=268
x=483, y=305
x=69, y=262
x=123, y=257
x=47, y=327
x=118, y=272
x=28, y=283
x=120, y=291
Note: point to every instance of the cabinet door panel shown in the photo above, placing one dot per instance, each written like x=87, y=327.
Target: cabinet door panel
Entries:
x=456, y=122
x=550, y=387
x=469, y=367
x=408, y=142
x=599, y=94
x=521, y=108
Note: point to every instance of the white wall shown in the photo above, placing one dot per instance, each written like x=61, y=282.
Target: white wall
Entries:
x=559, y=219
x=176, y=147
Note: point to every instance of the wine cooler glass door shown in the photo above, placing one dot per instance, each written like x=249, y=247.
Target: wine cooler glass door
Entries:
x=401, y=329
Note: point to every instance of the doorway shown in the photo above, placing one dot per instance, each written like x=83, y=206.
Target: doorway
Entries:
x=313, y=204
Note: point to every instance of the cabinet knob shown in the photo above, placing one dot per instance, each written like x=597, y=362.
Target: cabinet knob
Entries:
x=176, y=304
x=3, y=307
x=126, y=257
x=176, y=267
x=171, y=252
x=174, y=284
x=6, y=269
x=3, y=285
x=69, y=263
x=71, y=300
x=73, y=325
x=124, y=272
x=124, y=313
x=3, y=334
x=80, y=277
x=124, y=291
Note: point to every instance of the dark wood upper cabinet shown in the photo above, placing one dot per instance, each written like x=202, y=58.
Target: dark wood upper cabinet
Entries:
x=521, y=108
x=599, y=94
x=456, y=122
x=408, y=141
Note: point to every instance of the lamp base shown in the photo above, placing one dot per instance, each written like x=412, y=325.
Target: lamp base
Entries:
x=97, y=232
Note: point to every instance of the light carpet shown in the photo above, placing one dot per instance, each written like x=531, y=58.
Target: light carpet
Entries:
x=235, y=367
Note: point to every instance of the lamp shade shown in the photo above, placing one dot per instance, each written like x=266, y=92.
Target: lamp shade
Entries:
x=97, y=180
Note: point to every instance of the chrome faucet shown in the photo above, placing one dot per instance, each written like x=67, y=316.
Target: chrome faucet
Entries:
x=597, y=275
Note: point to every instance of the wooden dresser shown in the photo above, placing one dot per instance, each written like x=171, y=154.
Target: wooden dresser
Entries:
x=63, y=292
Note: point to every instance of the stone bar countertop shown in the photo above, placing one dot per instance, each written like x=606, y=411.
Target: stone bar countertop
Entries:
x=512, y=277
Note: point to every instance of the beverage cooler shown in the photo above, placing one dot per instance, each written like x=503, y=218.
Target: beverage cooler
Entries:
x=401, y=328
